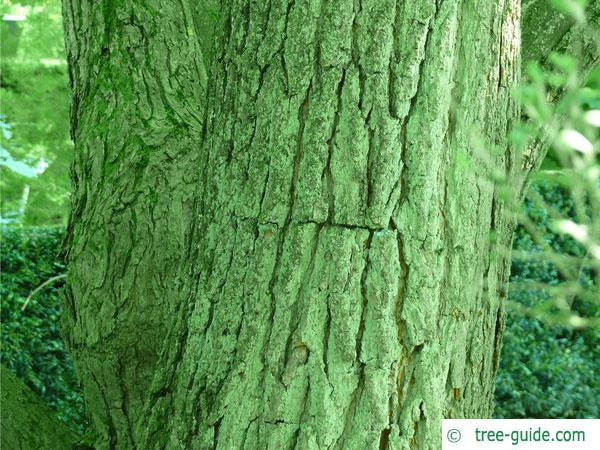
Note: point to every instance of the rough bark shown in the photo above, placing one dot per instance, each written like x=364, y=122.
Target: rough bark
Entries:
x=546, y=31
x=289, y=252
x=26, y=422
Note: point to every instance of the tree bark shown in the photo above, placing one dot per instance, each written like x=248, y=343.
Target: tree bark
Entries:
x=26, y=422
x=274, y=240
x=546, y=31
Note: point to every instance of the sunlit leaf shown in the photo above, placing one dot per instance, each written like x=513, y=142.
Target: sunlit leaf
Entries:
x=573, y=8
x=593, y=117
x=577, y=141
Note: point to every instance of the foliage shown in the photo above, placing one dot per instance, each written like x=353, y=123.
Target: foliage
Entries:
x=562, y=104
x=547, y=371
x=36, y=148
x=550, y=357
x=32, y=346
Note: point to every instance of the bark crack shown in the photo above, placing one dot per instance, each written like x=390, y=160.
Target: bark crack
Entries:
x=361, y=371
x=330, y=144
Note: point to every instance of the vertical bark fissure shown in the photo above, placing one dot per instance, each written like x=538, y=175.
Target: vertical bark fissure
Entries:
x=359, y=340
x=302, y=292
x=330, y=144
x=112, y=429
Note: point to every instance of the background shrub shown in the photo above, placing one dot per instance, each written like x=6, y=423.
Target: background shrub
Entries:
x=547, y=371
x=32, y=346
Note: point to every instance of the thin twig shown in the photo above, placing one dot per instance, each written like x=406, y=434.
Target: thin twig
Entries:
x=40, y=287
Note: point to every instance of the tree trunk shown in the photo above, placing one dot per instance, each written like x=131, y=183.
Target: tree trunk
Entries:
x=275, y=241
